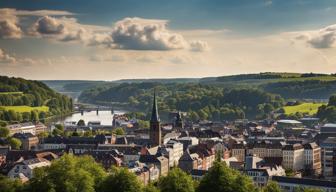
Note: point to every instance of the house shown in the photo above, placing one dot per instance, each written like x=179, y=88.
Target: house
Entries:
x=206, y=152
x=131, y=153
x=252, y=162
x=328, y=148
x=288, y=124
x=29, y=127
x=21, y=128
x=293, y=157
x=176, y=149
x=107, y=158
x=188, y=141
x=265, y=149
x=24, y=169
x=312, y=156
x=160, y=162
x=28, y=140
x=262, y=175
x=190, y=161
x=290, y=184
x=238, y=150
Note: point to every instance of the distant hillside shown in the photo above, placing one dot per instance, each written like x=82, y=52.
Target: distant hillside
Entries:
x=288, y=85
x=72, y=88
x=24, y=100
x=202, y=101
x=169, y=80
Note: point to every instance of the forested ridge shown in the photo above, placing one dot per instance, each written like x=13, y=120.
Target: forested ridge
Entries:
x=24, y=100
x=201, y=101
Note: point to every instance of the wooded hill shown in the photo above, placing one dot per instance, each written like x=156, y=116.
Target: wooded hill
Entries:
x=24, y=100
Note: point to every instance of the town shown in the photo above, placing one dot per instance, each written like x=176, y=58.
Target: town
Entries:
x=167, y=96
x=292, y=153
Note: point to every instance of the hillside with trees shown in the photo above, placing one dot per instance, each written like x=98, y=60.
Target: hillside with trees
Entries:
x=26, y=100
x=288, y=85
x=203, y=102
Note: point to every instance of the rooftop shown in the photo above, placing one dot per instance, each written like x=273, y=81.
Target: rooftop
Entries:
x=305, y=181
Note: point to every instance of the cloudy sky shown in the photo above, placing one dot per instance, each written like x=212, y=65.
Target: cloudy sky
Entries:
x=117, y=39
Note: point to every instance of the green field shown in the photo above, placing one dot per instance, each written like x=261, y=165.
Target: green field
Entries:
x=310, y=108
x=24, y=108
x=11, y=93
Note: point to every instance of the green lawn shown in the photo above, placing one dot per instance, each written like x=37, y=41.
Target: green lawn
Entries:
x=310, y=108
x=24, y=108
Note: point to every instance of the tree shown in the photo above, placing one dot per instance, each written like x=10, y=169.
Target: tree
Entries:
x=176, y=181
x=221, y=178
x=81, y=122
x=11, y=115
x=119, y=131
x=332, y=100
x=15, y=143
x=60, y=127
x=4, y=132
x=26, y=116
x=67, y=174
x=272, y=187
x=120, y=180
x=10, y=185
x=150, y=188
x=143, y=124
x=34, y=116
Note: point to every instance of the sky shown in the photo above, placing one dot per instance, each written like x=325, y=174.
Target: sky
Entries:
x=127, y=39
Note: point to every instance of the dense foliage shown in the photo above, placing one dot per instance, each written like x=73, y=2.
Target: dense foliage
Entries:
x=308, y=89
x=221, y=178
x=82, y=174
x=288, y=85
x=67, y=174
x=328, y=112
x=20, y=92
x=176, y=181
x=203, y=102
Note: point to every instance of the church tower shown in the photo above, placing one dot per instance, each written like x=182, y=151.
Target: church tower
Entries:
x=155, y=129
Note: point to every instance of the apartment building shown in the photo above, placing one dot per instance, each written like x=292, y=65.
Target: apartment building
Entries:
x=293, y=157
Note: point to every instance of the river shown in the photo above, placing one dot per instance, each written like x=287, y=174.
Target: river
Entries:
x=105, y=117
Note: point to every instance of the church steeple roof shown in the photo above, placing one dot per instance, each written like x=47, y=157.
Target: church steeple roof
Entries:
x=155, y=114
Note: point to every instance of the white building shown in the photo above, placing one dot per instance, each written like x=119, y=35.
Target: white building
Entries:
x=26, y=128
x=26, y=167
x=293, y=157
x=328, y=158
x=262, y=175
x=312, y=154
x=176, y=149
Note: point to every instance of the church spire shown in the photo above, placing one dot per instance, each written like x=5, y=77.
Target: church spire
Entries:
x=155, y=113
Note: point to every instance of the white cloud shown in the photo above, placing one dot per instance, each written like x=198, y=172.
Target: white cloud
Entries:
x=319, y=39
x=6, y=58
x=199, y=46
x=43, y=13
x=9, y=28
x=128, y=33
x=48, y=26
x=146, y=34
